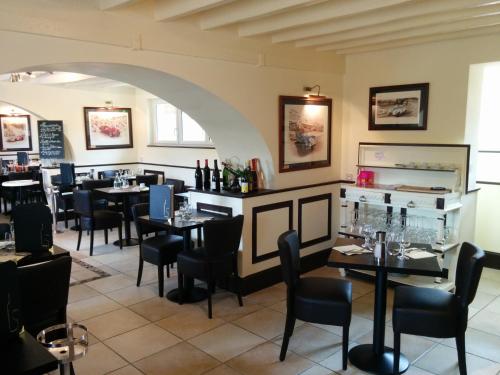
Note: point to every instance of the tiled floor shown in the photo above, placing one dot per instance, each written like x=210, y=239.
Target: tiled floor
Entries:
x=133, y=331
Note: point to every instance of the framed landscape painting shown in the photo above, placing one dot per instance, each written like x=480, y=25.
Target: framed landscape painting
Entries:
x=304, y=132
x=15, y=132
x=107, y=128
x=402, y=107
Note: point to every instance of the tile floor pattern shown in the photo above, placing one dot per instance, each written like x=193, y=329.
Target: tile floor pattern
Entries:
x=133, y=331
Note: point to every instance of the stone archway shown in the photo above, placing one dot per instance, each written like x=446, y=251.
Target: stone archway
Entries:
x=231, y=132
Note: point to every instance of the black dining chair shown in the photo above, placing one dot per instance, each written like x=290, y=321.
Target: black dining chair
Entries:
x=318, y=300
x=92, y=219
x=43, y=291
x=147, y=179
x=216, y=260
x=99, y=203
x=437, y=313
x=107, y=174
x=160, y=250
x=32, y=227
x=179, y=187
x=4, y=228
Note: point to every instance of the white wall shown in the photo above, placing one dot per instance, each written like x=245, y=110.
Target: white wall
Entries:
x=56, y=103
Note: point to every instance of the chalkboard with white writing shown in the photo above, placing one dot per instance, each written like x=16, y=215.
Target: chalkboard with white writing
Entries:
x=51, y=139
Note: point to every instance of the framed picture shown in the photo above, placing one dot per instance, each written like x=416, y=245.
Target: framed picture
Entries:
x=402, y=107
x=304, y=132
x=15, y=132
x=108, y=128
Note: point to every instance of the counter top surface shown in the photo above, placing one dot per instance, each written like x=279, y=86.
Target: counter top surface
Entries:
x=234, y=195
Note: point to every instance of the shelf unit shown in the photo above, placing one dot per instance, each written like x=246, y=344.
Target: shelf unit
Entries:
x=440, y=208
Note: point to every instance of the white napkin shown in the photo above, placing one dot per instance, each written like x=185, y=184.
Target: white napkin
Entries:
x=415, y=253
x=351, y=249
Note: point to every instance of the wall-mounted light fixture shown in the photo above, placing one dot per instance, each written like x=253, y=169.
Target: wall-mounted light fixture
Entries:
x=309, y=89
x=108, y=104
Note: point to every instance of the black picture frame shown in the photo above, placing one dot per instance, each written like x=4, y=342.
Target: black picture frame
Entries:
x=320, y=131
x=91, y=118
x=400, y=107
x=7, y=142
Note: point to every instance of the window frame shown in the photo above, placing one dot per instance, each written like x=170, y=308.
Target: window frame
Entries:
x=154, y=142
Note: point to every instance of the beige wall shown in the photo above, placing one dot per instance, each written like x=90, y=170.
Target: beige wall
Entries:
x=445, y=65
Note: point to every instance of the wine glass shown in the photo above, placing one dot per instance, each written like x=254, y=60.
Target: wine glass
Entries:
x=404, y=243
x=367, y=232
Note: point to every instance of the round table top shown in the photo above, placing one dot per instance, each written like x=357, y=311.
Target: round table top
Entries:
x=19, y=183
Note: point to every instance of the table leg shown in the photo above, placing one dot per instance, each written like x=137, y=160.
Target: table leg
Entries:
x=127, y=241
x=377, y=358
x=192, y=293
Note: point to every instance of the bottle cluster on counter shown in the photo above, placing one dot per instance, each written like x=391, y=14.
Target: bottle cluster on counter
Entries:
x=234, y=178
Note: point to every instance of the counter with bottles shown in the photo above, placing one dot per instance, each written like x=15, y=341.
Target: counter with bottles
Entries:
x=230, y=194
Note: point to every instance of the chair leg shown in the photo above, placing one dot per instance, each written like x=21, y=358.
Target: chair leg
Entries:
x=460, y=340
x=65, y=218
x=106, y=236
x=91, y=242
x=290, y=323
x=180, y=286
x=79, y=239
x=168, y=270
x=397, y=351
x=139, y=272
x=345, y=346
x=160, y=280
x=210, y=288
x=120, y=235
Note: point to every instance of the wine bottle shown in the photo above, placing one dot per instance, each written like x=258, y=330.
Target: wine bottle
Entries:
x=198, y=176
x=206, y=176
x=225, y=177
x=216, y=177
x=248, y=176
x=244, y=184
x=255, y=178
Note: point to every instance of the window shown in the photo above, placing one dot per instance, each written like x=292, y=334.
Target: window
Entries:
x=171, y=126
x=488, y=121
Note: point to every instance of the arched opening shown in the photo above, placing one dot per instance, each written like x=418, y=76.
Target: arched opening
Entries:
x=232, y=134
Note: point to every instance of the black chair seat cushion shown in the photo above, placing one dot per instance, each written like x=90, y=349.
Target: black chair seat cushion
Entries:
x=162, y=249
x=425, y=312
x=100, y=204
x=323, y=300
x=194, y=263
x=103, y=219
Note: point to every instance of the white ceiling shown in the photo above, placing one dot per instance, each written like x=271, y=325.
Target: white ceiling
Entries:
x=343, y=26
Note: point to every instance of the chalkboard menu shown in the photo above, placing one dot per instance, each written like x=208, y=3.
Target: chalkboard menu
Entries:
x=51, y=139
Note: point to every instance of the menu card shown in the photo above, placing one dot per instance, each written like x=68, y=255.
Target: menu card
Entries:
x=161, y=202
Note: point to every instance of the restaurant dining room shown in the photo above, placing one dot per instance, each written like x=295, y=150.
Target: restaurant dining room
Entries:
x=243, y=187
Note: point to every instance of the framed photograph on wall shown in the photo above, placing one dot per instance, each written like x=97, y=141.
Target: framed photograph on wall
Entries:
x=15, y=133
x=107, y=128
x=402, y=107
x=304, y=132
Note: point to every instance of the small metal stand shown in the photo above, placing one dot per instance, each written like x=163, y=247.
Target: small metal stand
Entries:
x=67, y=342
x=51, y=192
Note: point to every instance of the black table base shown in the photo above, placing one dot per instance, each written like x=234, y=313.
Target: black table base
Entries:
x=195, y=294
x=127, y=242
x=364, y=358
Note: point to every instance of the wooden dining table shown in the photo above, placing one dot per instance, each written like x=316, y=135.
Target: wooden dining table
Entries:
x=377, y=358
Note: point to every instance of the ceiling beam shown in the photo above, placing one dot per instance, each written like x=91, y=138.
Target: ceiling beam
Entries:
x=313, y=14
x=473, y=23
x=169, y=10
x=113, y=4
x=248, y=10
x=400, y=25
x=375, y=18
x=422, y=40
